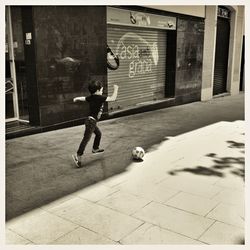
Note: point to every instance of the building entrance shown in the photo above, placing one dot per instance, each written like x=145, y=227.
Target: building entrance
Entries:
x=221, y=52
x=16, y=103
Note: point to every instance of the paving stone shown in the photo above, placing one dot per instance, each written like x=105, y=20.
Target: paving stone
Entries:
x=229, y=214
x=173, y=219
x=124, y=202
x=232, y=182
x=40, y=226
x=149, y=190
x=190, y=185
x=192, y=203
x=230, y=196
x=107, y=222
x=82, y=236
x=147, y=171
x=15, y=239
x=180, y=170
x=54, y=203
x=95, y=192
x=151, y=234
x=117, y=179
x=220, y=233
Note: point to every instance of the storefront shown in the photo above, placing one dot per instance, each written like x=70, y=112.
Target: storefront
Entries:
x=16, y=98
x=139, y=40
x=52, y=52
x=159, y=56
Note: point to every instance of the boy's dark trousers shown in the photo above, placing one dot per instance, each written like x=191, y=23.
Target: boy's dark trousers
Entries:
x=90, y=128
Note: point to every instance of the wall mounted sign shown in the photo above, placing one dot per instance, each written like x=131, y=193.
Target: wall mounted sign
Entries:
x=223, y=12
x=28, y=42
x=28, y=36
x=134, y=18
x=15, y=45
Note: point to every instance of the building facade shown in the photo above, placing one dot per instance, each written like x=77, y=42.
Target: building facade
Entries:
x=160, y=56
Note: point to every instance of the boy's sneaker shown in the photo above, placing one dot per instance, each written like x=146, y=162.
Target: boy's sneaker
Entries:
x=77, y=160
x=97, y=151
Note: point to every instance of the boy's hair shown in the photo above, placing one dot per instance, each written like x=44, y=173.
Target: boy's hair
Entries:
x=94, y=86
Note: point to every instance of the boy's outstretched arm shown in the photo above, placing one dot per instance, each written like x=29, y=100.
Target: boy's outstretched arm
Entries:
x=114, y=95
x=80, y=98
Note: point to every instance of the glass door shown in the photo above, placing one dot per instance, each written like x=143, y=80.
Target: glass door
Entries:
x=11, y=103
x=15, y=73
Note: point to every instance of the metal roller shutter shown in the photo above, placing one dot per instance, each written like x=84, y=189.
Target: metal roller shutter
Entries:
x=141, y=74
x=221, y=56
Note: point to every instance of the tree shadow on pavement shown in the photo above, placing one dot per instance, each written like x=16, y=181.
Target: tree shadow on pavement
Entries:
x=199, y=170
x=236, y=144
x=235, y=165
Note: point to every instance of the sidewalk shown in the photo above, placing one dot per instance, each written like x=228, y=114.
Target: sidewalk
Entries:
x=188, y=190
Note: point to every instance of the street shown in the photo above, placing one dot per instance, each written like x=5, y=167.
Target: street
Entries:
x=189, y=189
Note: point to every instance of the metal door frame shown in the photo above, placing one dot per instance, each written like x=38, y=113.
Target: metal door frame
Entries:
x=12, y=66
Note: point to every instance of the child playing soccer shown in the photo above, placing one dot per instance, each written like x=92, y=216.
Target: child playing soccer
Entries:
x=96, y=103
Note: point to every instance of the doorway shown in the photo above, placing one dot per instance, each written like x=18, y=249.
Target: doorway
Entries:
x=221, y=51
x=16, y=103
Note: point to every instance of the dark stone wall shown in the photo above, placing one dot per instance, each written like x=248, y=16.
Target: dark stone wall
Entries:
x=70, y=51
x=189, y=54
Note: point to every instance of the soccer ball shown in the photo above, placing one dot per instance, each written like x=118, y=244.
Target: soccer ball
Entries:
x=138, y=153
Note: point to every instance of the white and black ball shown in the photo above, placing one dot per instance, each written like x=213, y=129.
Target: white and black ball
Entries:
x=138, y=153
